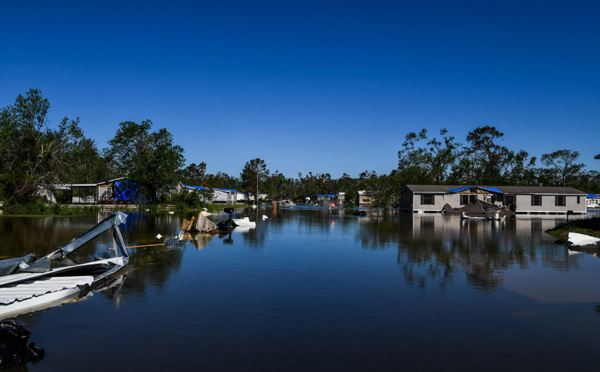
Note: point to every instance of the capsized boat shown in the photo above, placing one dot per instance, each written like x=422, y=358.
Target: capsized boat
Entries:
x=582, y=239
x=27, y=284
x=464, y=216
x=495, y=217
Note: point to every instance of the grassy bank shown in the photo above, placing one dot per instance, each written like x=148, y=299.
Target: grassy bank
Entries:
x=588, y=226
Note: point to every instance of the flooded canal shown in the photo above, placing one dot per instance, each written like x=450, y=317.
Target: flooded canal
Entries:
x=310, y=290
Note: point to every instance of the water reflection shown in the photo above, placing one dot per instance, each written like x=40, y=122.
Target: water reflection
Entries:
x=382, y=290
x=434, y=248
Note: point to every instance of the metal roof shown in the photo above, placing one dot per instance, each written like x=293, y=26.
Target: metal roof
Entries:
x=40, y=287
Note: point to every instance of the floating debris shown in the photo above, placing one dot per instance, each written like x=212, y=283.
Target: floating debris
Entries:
x=14, y=349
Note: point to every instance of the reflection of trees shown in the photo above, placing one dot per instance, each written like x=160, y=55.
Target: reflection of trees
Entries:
x=434, y=248
x=152, y=267
x=39, y=235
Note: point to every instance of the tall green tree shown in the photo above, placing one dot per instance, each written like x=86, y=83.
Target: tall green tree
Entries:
x=150, y=160
x=85, y=163
x=254, y=173
x=564, y=164
x=486, y=156
x=32, y=154
x=194, y=174
x=414, y=160
x=381, y=189
x=429, y=162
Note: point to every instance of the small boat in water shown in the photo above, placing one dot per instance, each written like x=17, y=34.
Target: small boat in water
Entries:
x=244, y=222
x=495, y=217
x=27, y=284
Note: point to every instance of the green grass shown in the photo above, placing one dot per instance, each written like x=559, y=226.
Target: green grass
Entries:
x=588, y=226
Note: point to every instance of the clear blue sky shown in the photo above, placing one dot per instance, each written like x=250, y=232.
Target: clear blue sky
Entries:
x=322, y=86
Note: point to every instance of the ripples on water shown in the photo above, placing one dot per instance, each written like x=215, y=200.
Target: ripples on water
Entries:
x=312, y=290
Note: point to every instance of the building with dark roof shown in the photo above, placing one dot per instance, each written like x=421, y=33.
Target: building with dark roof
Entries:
x=524, y=199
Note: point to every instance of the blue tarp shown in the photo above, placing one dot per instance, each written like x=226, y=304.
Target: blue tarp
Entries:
x=328, y=195
x=592, y=195
x=125, y=191
x=461, y=189
x=195, y=187
x=492, y=189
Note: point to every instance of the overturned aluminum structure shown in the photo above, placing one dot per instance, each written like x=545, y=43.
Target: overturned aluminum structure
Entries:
x=27, y=284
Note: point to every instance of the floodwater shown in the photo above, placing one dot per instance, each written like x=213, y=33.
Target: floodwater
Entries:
x=311, y=290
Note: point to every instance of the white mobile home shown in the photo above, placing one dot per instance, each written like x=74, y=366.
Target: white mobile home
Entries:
x=526, y=199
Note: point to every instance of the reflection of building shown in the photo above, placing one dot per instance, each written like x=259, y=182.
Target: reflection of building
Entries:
x=525, y=199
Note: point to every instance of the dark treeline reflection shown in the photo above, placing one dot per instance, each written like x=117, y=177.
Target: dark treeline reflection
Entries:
x=436, y=248
x=39, y=235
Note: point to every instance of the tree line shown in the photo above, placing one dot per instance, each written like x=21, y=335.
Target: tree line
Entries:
x=34, y=154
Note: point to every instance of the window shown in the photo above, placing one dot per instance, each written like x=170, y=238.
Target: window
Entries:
x=578, y=199
x=466, y=199
x=536, y=200
x=559, y=200
x=427, y=199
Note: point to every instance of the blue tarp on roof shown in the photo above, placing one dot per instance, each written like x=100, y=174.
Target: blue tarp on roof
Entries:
x=492, y=189
x=592, y=195
x=195, y=187
x=461, y=189
x=229, y=190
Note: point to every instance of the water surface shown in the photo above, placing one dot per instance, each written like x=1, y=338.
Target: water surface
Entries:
x=310, y=290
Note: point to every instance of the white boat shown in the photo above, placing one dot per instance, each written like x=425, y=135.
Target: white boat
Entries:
x=582, y=239
x=463, y=216
x=27, y=284
x=244, y=222
x=495, y=217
